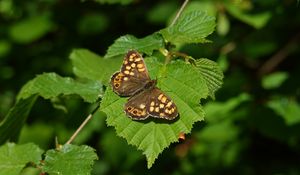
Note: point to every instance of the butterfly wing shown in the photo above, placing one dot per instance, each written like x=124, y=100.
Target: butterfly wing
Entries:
x=151, y=102
x=132, y=77
x=161, y=106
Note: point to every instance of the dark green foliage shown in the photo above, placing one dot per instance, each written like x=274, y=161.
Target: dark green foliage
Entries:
x=251, y=127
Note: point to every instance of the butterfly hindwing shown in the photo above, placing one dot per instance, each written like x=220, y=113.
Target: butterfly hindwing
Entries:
x=161, y=106
x=151, y=102
x=132, y=77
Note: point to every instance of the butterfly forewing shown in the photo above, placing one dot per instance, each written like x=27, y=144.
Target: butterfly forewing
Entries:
x=132, y=77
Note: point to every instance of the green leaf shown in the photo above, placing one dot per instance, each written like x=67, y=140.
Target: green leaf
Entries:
x=216, y=111
x=256, y=20
x=87, y=64
x=274, y=80
x=192, y=27
x=24, y=32
x=92, y=24
x=123, y=2
x=211, y=73
x=70, y=159
x=5, y=47
x=183, y=84
x=13, y=158
x=288, y=109
x=128, y=42
x=223, y=24
x=14, y=120
x=49, y=85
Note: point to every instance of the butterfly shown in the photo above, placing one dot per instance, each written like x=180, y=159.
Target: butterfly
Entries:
x=145, y=99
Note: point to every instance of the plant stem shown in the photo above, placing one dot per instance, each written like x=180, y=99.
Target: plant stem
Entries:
x=82, y=125
x=179, y=12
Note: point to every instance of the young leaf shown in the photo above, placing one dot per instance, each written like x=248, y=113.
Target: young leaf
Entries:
x=212, y=74
x=23, y=32
x=192, y=27
x=179, y=81
x=88, y=65
x=13, y=158
x=256, y=20
x=288, y=109
x=274, y=80
x=14, y=120
x=127, y=42
x=70, y=159
x=49, y=85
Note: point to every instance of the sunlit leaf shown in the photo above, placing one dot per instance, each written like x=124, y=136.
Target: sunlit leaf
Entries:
x=192, y=27
x=49, y=85
x=89, y=65
x=128, y=42
x=212, y=74
x=184, y=85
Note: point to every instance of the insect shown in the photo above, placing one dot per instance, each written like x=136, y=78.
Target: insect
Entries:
x=146, y=99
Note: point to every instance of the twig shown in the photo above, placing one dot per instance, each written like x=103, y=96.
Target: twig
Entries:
x=279, y=56
x=179, y=12
x=82, y=125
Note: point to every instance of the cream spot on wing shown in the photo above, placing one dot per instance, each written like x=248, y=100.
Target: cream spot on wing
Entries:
x=151, y=108
x=141, y=70
x=133, y=65
x=169, y=104
x=125, y=62
x=161, y=114
x=140, y=66
x=137, y=59
x=125, y=78
x=164, y=99
x=126, y=72
x=167, y=111
x=128, y=67
x=131, y=58
x=131, y=73
x=161, y=105
x=160, y=96
x=152, y=103
x=142, y=106
x=157, y=109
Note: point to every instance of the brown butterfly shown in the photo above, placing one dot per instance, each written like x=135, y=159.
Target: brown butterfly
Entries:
x=145, y=98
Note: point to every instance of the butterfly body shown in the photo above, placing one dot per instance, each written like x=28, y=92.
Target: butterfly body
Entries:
x=145, y=98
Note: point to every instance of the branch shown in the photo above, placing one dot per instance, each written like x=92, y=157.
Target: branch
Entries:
x=179, y=12
x=278, y=57
x=89, y=117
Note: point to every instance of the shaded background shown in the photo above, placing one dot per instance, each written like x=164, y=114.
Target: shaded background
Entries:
x=253, y=126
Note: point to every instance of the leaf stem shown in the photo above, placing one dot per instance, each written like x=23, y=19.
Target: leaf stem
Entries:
x=179, y=12
x=89, y=117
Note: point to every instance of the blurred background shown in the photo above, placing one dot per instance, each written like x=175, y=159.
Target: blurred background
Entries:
x=253, y=126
